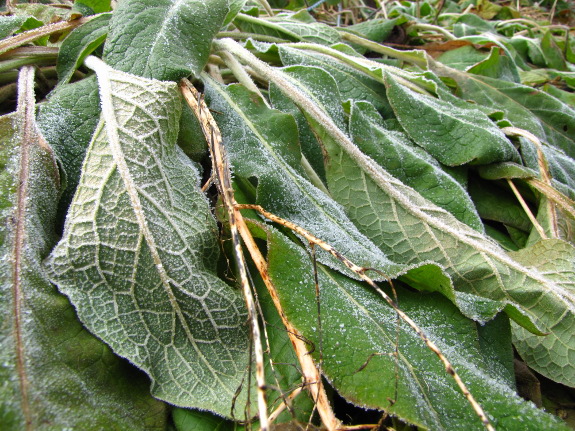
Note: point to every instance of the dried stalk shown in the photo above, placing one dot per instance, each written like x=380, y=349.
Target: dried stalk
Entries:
x=360, y=271
x=224, y=184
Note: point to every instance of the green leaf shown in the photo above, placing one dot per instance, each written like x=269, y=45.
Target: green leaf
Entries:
x=194, y=420
x=235, y=7
x=295, y=27
x=10, y=24
x=462, y=58
x=495, y=204
x=496, y=66
x=263, y=143
x=163, y=39
x=552, y=53
x=359, y=332
x=374, y=29
x=139, y=215
x=55, y=375
x=68, y=121
x=555, y=259
x=528, y=108
x=412, y=230
x=250, y=24
x=454, y=133
x=352, y=84
x=79, y=44
x=469, y=24
x=401, y=158
x=90, y=7
x=530, y=49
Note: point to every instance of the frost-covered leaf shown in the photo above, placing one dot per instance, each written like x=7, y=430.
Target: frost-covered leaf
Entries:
x=454, y=133
x=250, y=24
x=163, y=39
x=11, y=24
x=67, y=121
x=555, y=259
x=79, y=44
x=54, y=374
x=412, y=230
x=90, y=7
x=359, y=332
x=263, y=143
x=401, y=158
x=496, y=65
x=139, y=250
x=235, y=7
x=352, y=84
x=528, y=108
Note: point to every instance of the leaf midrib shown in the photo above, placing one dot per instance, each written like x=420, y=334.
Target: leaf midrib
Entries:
x=286, y=168
x=384, y=335
x=111, y=126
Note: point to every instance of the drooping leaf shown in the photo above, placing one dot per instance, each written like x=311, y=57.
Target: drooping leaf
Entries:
x=352, y=84
x=498, y=205
x=453, y=133
x=55, y=375
x=235, y=7
x=463, y=57
x=528, y=108
x=402, y=159
x=10, y=24
x=552, y=53
x=90, y=7
x=496, y=66
x=163, y=39
x=195, y=420
x=410, y=229
x=68, y=121
x=262, y=143
x=139, y=250
x=359, y=332
x=79, y=44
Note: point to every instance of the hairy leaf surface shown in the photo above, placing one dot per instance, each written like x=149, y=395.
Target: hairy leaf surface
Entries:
x=262, y=143
x=528, y=108
x=404, y=160
x=79, y=44
x=454, y=133
x=54, y=374
x=139, y=250
x=411, y=230
x=358, y=346
x=163, y=39
x=68, y=120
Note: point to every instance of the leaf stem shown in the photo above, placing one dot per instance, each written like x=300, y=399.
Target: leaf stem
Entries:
x=240, y=35
x=224, y=184
x=364, y=65
x=360, y=271
x=431, y=27
x=25, y=110
x=17, y=40
x=385, y=50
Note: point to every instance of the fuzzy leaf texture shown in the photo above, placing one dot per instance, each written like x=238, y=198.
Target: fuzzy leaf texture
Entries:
x=163, y=39
x=358, y=346
x=410, y=229
x=54, y=374
x=138, y=253
x=263, y=143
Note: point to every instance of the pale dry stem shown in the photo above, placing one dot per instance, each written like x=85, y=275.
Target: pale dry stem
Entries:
x=360, y=271
x=223, y=182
